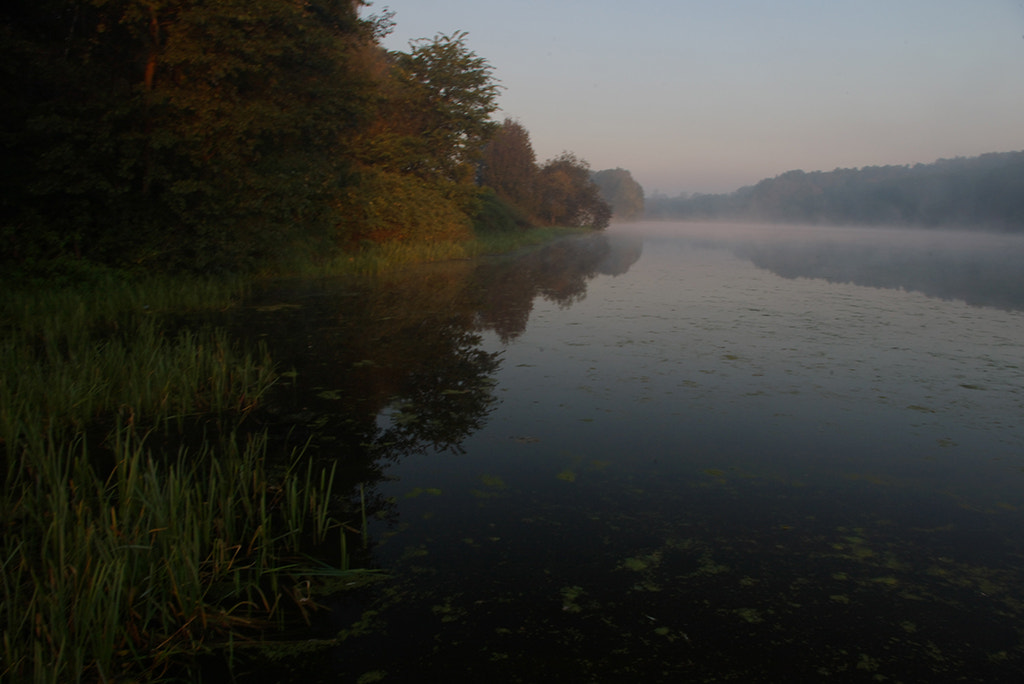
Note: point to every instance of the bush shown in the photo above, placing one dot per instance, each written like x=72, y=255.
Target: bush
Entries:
x=498, y=214
x=384, y=206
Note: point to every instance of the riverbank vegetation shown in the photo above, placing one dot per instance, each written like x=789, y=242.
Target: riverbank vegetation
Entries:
x=230, y=137
x=148, y=522
x=159, y=157
x=145, y=523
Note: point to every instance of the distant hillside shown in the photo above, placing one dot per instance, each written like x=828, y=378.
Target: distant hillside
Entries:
x=984, y=192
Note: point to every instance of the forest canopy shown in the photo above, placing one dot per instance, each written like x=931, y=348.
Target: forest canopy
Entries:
x=213, y=136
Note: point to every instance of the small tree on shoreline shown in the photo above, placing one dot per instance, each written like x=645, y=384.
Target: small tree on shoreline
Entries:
x=567, y=196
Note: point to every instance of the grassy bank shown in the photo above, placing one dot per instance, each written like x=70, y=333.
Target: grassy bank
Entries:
x=375, y=258
x=143, y=524
x=141, y=527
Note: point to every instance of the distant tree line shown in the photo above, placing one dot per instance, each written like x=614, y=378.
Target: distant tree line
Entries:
x=213, y=135
x=985, y=191
x=624, y=194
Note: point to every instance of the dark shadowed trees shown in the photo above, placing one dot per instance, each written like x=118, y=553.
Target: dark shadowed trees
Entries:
x=210, y=135
x=176, y=131
x=509, y=165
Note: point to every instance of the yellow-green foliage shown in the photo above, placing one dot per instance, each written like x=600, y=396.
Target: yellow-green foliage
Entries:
x=385, y=206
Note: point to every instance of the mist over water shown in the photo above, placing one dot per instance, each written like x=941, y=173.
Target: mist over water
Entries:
x=979, y=268
x=683, y=452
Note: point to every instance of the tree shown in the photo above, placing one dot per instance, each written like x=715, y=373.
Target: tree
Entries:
x=454, y=93
x=430, y=122
x=567, y=196
x=624, y=194
x=509, y=165
x=177, y=131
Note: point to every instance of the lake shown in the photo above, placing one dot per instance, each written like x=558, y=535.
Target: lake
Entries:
x=674, y=452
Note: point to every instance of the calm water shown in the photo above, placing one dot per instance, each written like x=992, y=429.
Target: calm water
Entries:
x=677, y=452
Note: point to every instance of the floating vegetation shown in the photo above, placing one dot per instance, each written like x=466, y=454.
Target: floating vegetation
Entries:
x=330, y=395
x=493, y=481
x=571, y=599
x=751, y=615
x=643, y=563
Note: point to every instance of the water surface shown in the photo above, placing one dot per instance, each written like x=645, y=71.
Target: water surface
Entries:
x=678, y=452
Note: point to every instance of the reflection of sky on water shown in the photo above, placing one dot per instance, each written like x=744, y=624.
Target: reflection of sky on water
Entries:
x=694, y=336
x=976, y=267
x=691, y=359
x=740, y=429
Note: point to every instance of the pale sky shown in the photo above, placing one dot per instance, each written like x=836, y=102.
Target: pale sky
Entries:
x=711, y=95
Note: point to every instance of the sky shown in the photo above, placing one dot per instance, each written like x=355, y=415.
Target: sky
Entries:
x=711, y=95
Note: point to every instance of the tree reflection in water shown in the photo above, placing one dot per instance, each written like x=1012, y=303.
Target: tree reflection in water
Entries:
x=378, y=368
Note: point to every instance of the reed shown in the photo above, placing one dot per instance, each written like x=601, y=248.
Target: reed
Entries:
x=134, y=568
x=132, y=572
x=72, y=357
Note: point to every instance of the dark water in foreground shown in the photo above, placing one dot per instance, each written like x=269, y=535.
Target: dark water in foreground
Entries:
x=677, y=453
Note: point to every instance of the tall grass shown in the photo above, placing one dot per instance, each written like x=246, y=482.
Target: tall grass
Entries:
x=123, y=558
x=76, y=379
x=135, y=567
x=136, y=572
x=387, y=256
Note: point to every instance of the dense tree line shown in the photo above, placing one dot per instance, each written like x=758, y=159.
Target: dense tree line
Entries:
x=206, y=136
x=175, y=131
x=985, y=191
x=561, y=191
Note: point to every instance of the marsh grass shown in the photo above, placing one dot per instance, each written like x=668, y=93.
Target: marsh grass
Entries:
x=160, y=560
x=128, y=549
x=122, y=555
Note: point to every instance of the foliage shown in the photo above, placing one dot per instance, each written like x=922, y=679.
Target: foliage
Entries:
x=457, y=93
x=497, y=214
x=431, y=110
x=414, y=164
x=567, y=196
x=125, y=552
x=387, y=206
x=561, y=192
x=215, y=137
x=195, y=133
x=509, y=165
x=624, y=194
x=986, y=191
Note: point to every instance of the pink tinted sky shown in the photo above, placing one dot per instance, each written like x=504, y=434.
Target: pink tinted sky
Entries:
x=711, y=95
